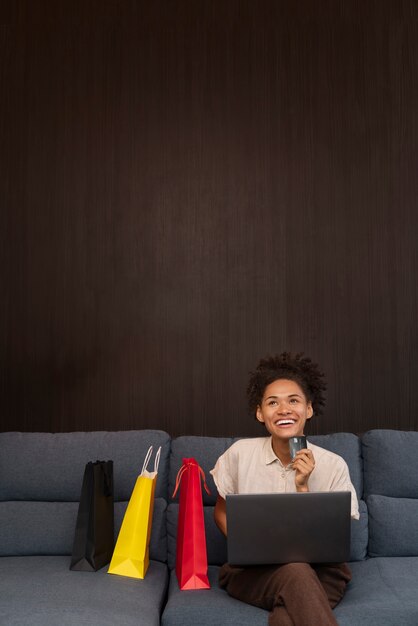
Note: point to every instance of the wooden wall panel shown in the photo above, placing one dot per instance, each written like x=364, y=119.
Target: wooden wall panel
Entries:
x=188, y=186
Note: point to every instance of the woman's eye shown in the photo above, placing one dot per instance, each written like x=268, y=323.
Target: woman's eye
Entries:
x=272, y=402
x=293, y=400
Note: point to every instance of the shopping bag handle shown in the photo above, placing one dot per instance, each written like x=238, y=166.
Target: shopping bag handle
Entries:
x=157, y=460
x=180, y=473
x=148, y=457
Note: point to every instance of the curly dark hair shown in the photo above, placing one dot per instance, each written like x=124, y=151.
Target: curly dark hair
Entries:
x=296, y=367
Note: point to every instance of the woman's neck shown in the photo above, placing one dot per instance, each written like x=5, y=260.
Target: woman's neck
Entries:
x=281, y=450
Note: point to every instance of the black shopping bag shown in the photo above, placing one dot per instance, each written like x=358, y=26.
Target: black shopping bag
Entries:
x=94, y=537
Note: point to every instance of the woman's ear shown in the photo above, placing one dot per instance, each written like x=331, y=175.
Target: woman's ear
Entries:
x=259, y=415
x=310, y=411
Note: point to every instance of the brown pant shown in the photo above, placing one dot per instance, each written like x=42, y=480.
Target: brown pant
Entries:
x=296, y=594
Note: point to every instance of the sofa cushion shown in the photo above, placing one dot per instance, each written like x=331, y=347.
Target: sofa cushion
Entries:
x=393, y=526
x=384, y=453
x=42, y=591
x=47, y=528
x=348, y=446
x=382, y=592
x=50, y=466
x=207, y=450
x=216, y=543
x=187, y=607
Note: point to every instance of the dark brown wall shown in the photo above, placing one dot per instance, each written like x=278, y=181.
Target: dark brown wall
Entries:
x=187, y=186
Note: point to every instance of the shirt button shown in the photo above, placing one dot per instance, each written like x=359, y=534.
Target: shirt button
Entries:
x=283, y=474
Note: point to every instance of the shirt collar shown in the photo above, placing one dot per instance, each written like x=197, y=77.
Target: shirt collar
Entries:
x=269, y=454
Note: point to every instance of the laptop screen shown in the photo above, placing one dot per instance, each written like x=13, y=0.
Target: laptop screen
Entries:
x=288, y=528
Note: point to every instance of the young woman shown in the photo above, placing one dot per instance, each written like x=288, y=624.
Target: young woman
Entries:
x=284, y=393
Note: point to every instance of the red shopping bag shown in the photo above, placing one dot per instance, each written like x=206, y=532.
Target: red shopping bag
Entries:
x=191, y=557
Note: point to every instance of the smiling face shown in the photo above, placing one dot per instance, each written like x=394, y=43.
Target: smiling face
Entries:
x=284, y=409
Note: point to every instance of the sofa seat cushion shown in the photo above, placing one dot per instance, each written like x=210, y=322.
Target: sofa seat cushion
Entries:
x=381, y=593
x=42, y=591
x=210, y=607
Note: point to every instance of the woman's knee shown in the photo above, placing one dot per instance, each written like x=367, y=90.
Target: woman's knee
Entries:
x=295, y=575
x=297, y=570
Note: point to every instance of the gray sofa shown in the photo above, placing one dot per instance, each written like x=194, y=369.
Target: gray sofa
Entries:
x=40, y=481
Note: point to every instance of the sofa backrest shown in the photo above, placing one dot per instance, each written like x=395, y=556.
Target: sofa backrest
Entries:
x=40, y=483
x=391, y=491
x=206, y=451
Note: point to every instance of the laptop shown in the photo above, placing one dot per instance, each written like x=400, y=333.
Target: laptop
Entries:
x=267, y=528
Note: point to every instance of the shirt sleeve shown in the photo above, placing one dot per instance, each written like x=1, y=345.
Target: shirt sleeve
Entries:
x=341, y=482
x=225, y=474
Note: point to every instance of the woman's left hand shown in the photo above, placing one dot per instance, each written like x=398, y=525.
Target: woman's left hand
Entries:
x=303, y=464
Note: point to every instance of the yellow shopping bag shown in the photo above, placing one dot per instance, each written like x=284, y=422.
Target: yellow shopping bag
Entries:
x=131, y=553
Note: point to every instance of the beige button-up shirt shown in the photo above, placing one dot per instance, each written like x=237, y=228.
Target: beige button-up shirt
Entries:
x=251, y=466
